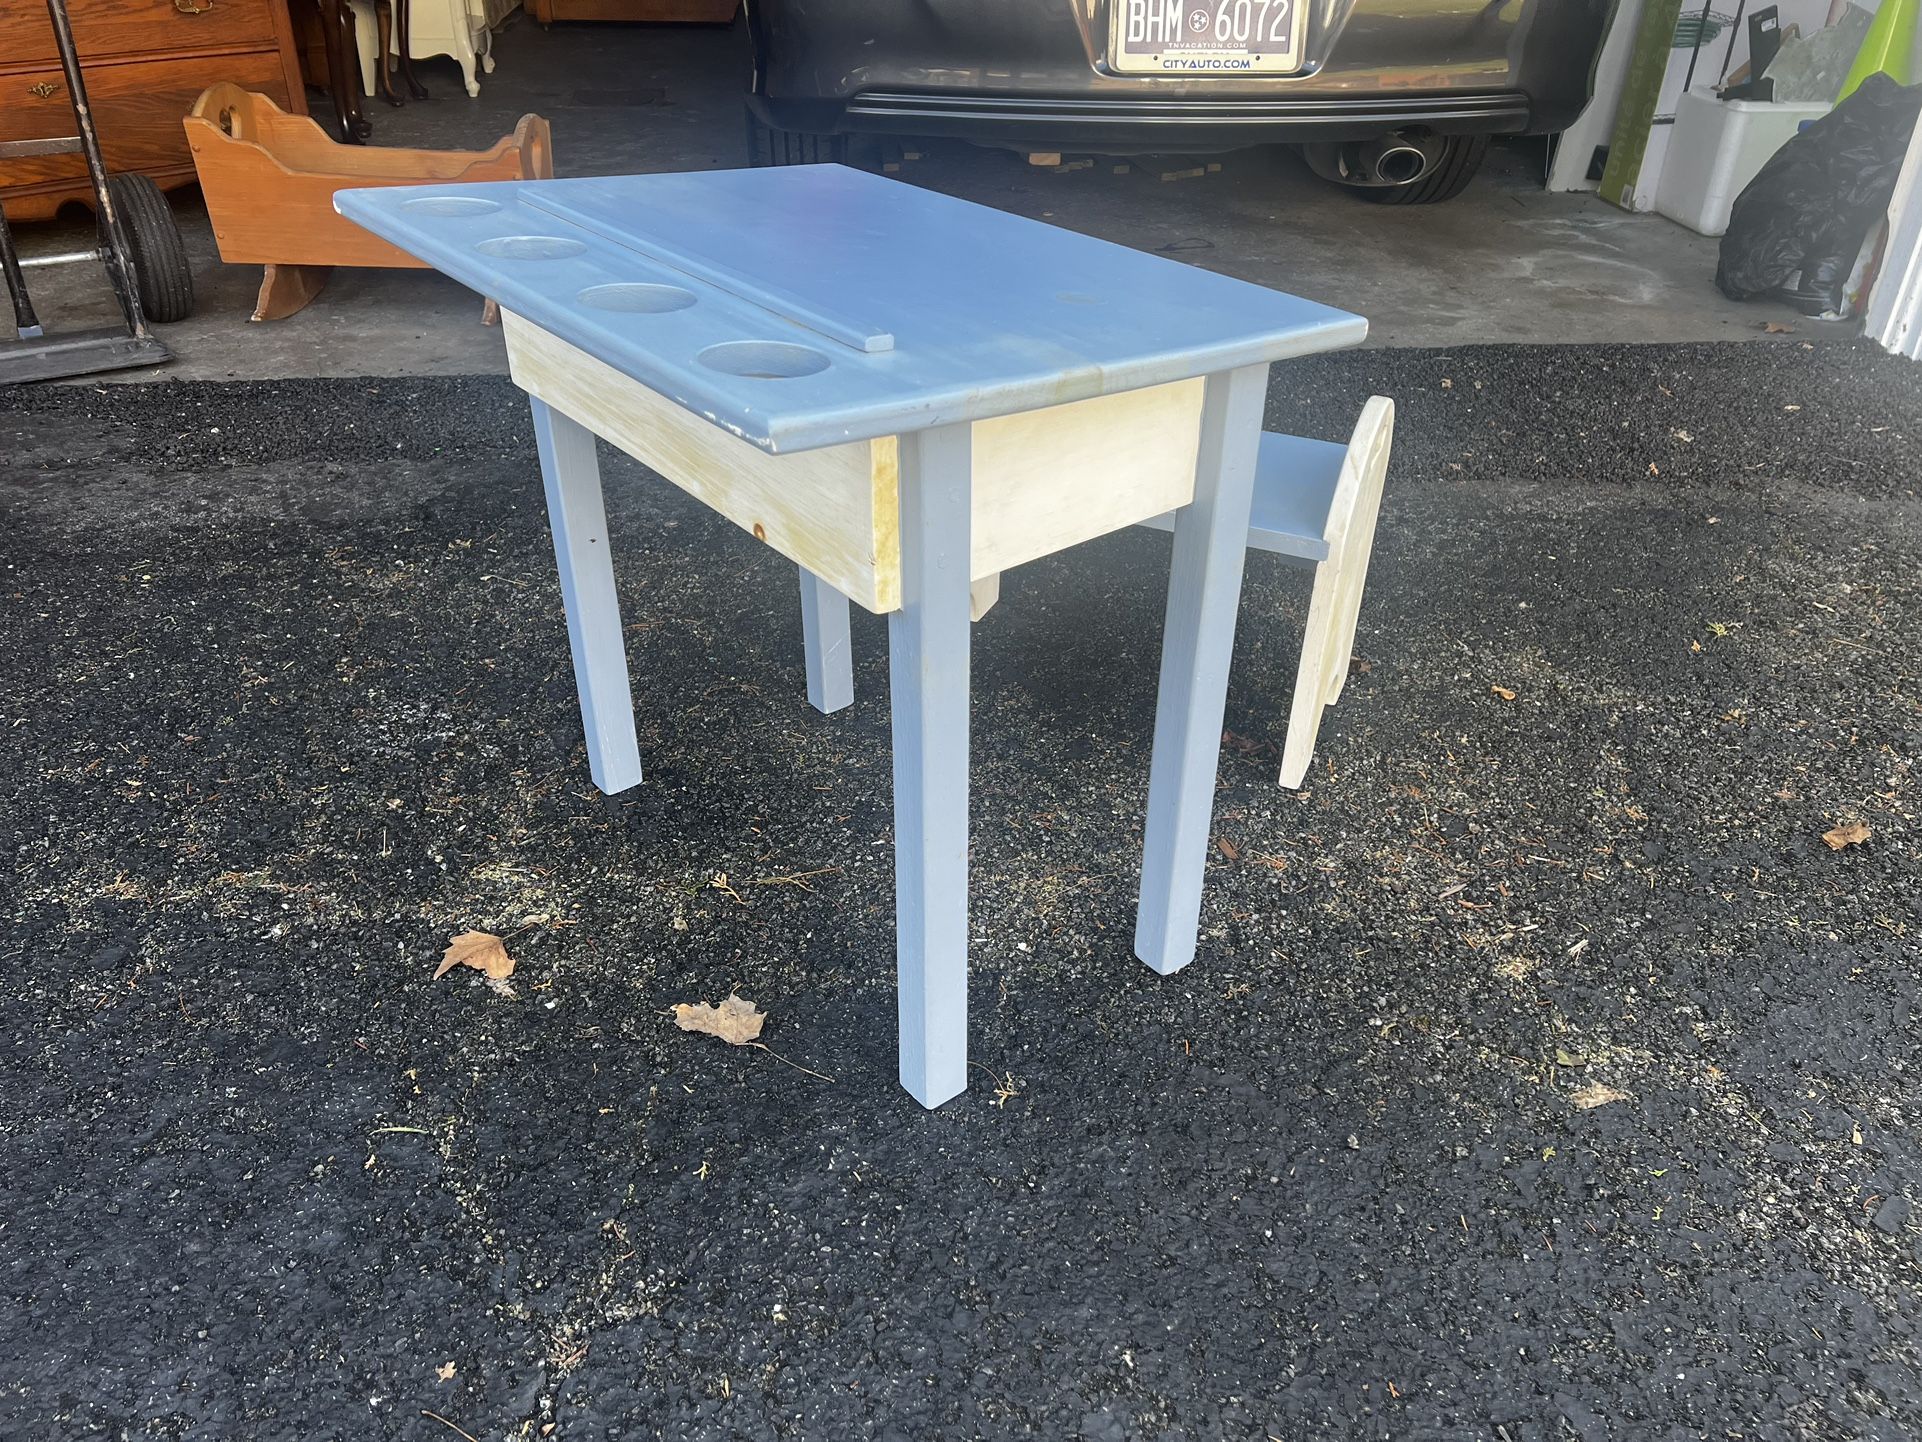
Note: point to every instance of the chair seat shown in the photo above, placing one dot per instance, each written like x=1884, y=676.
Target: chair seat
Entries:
x=1315, y=501
x=1294, y=485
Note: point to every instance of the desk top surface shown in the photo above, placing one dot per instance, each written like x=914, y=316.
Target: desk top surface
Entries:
x=810, y=305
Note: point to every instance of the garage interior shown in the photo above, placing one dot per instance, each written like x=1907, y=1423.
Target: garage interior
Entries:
x=1505, y=261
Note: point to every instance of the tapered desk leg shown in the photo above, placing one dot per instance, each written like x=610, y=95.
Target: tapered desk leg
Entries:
x=1204, y=592
x=572, y=476
x=824, y=640
x=928, y=680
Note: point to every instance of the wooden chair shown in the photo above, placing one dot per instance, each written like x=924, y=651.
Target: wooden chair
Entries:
x=1314, y=501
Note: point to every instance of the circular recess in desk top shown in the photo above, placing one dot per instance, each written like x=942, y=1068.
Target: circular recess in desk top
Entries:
x=451, y=205
x=636, y=298
x=530, y=247
x=765, y=360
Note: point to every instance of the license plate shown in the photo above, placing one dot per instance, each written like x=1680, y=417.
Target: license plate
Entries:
x=1206, y=37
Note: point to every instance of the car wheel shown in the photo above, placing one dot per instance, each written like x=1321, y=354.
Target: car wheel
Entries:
x=768, y=146
x=1461, y=156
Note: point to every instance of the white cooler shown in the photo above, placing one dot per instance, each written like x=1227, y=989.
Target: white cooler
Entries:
x=1716, y=148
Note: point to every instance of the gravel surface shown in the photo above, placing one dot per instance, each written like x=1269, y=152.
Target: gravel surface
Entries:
x=287, y=704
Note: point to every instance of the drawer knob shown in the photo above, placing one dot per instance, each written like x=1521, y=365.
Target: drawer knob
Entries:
x=187, y=7
x=43, y=89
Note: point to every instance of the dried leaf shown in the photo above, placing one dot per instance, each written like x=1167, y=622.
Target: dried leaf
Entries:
x=1596, y=1094
x=482, y=950
x=1228, y=848
x=735, y=1021
x=1775, y=327
x=1503, y=692
x=1246, y=745
x=1565, y=1057
x=445, y=1372
x=1854, y=833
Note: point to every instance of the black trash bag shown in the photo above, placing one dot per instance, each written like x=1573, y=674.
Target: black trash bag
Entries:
x=1809, y=209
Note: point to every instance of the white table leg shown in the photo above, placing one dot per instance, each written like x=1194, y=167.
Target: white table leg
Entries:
x=572, y=476
x=1204, y=593
x=928, y=673
x=825, y=641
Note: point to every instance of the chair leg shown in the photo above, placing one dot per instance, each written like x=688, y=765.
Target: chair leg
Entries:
x=572, y=476
x=384, y=25
x=402, y=27
x=343, y=70
x=825, y=641
x=928, y=641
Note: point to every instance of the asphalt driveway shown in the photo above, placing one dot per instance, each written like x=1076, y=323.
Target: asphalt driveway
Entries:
x=1544, y=1075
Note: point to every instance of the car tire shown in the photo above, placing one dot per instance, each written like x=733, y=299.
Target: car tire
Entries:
x=1461, y=156
x=768, y=146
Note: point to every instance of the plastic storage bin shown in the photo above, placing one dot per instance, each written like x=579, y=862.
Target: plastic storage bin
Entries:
x=1716, y=149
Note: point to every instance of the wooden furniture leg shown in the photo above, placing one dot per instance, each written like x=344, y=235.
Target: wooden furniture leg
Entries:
x=343, y=70
x=1198, y=638
x=347, y=75
x=402, y=24
x=928, y=674
x=329, y=13
x=571, y=473
x=383, y=30
x=825, y=644
x=285, y=289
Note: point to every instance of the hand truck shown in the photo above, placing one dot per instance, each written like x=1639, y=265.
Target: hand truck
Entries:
x=139, y=245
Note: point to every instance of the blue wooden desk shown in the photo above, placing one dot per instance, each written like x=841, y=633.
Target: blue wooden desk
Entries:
x=905, y=394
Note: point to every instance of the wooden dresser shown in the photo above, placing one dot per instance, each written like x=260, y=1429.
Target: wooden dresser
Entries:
x=145, y=62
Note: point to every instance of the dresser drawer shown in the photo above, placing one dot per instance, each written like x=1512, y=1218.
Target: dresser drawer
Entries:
x=103, y=29
x=137, y=106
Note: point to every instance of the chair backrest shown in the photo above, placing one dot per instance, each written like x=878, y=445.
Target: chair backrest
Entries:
x=1357, y=498
x=1351, y=529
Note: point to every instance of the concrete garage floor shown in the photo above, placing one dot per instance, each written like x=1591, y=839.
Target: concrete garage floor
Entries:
x=1505, y=262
